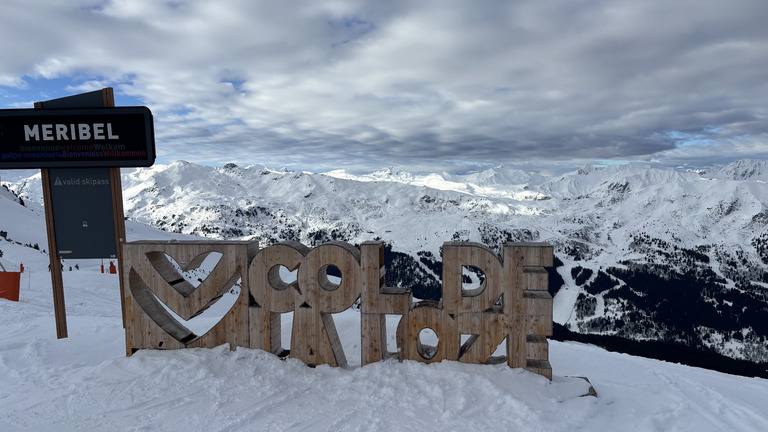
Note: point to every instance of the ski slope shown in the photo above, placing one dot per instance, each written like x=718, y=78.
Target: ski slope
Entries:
x=86, y=383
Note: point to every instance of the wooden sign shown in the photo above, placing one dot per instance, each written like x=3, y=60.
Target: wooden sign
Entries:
x=76, y=137
x=511, y=304
x=17, y=138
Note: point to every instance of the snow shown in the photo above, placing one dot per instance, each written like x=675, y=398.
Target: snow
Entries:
x=85, y=382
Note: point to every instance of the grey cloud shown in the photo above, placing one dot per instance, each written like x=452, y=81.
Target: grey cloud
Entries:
x=372, y=84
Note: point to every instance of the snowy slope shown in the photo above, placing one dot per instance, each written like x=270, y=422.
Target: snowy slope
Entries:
x=85, y=382
x=748, y=169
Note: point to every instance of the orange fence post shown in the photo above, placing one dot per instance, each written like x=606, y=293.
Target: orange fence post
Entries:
x=9, y=285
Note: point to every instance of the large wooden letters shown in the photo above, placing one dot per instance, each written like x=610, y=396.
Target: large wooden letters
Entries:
x=509, y=303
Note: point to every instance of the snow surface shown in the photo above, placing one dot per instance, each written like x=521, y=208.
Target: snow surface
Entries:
x=86, y=383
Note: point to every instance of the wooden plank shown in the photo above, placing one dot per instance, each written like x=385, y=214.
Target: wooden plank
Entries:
x=275, y=334
x=451, y=278
x=514, y=258
x=333, y=339
x=119, y=218
x=537, y=347
x=152, y=308
x=516, y=341
x=314, y=339
x=536, y=278
x=537, y=302
x=488, y=331
x=374, y=296
x=541, y=367
x=402, y=338
x=538, y=305
x=129, y=319
x=373, y=271
x=534, y=254
x=538, y=324
x=259, y=328
x=376, y=301
x=116, y=184
x=373, y=331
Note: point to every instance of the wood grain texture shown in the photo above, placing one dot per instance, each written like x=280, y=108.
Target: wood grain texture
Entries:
x=377, y=301
x=152, y=281
x=511, y=303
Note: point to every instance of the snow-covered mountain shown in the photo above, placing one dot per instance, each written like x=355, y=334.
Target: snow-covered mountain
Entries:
x=642, y=252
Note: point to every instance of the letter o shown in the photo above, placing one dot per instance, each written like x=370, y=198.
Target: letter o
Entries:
x=265, y=284
x=428, y=315
x=318, y=292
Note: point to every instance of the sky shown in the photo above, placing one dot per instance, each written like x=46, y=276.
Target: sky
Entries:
x=424, y=86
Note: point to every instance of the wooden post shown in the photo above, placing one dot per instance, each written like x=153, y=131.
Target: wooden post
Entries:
x=376, y=301
x=57, y=282
x=117, y=209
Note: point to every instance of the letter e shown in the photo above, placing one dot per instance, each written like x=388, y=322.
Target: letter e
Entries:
x=98, y=131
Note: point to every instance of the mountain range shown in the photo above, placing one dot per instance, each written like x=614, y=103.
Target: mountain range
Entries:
x=641, y=253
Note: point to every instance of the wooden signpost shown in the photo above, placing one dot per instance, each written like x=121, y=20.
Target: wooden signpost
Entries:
x=79, y=142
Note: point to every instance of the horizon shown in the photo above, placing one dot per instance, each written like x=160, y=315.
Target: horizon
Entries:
x=15, y=175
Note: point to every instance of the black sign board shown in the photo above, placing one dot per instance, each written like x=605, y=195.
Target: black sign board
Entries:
x=84, y=220
x=80, y=137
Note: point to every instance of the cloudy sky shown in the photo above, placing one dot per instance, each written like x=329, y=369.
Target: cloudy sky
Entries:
x=423, y=85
